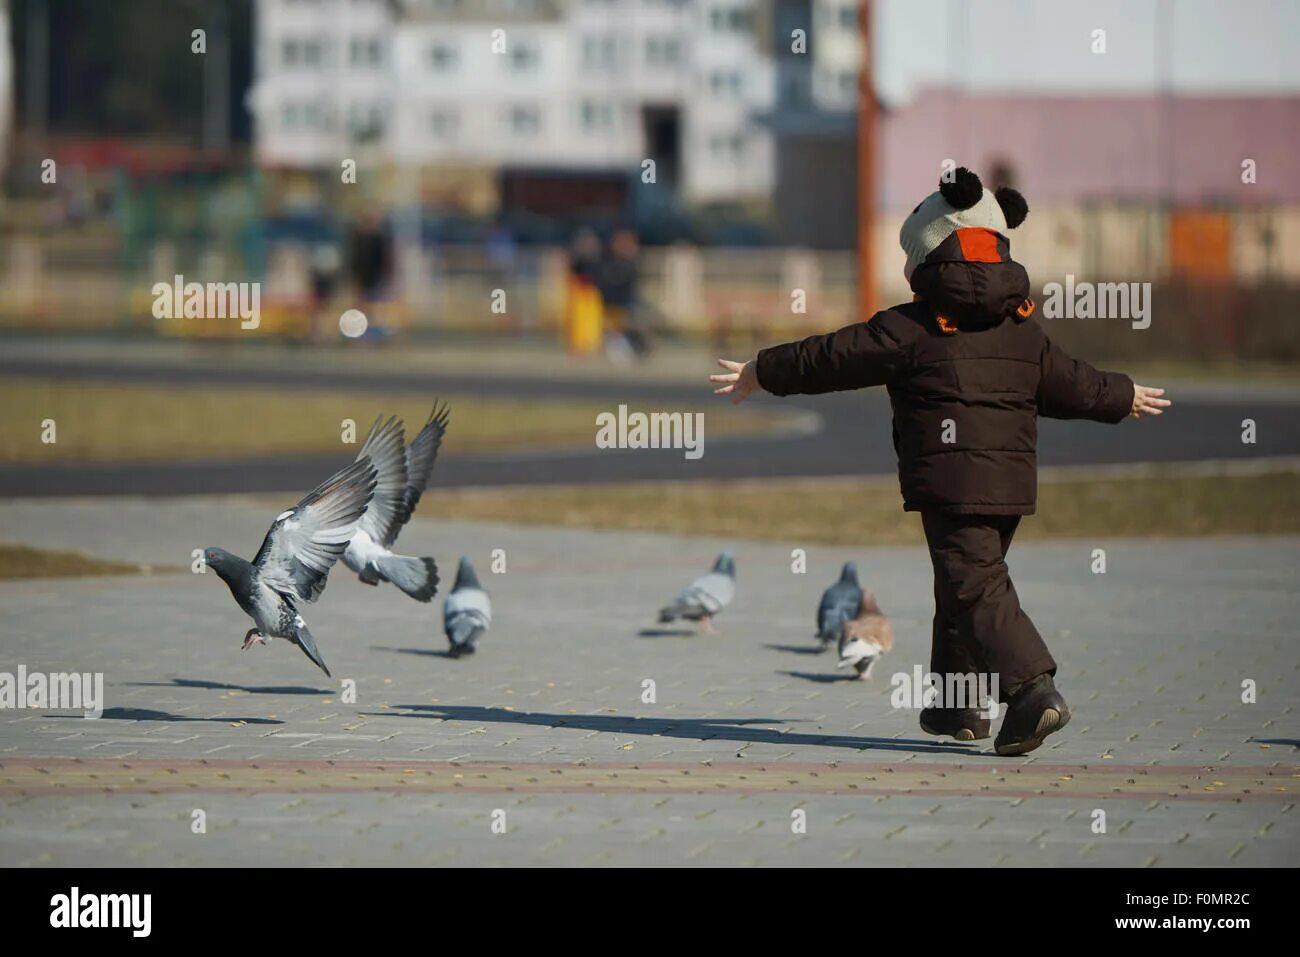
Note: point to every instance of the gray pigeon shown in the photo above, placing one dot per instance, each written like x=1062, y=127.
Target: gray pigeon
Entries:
x=706, y=596
x=839, y=604
x=467, y=612
x=403, y=475
x=295, y=558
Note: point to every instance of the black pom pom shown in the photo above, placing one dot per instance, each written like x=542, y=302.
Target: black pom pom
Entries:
x=964, y=191
x=1014, y=207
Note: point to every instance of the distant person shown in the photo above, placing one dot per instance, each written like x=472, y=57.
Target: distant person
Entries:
x=585, y=255
x=618, y=281
x=584, y=312
x=968, y=373
x=370, y=258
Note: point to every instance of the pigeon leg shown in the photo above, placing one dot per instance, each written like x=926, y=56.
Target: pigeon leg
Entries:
x=707, y=622
x=254, y=637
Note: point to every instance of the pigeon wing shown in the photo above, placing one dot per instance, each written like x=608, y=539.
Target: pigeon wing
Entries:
x=308, y=539
x=386, y=448
x=420, y=458
x=712, y=593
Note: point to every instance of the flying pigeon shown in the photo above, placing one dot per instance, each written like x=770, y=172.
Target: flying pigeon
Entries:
x=706, y=596
x=840, y=602
x=403, y=474
x=865, y=638
x=467, y=611
x=303, y=544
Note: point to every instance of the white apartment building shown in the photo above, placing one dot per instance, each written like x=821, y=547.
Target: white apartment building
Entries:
x=565, y=84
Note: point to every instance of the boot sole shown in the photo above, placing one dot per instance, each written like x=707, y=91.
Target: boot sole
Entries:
x=961, y=734
x=1049, y=722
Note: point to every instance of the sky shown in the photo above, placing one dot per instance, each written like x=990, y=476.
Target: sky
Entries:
x=1201, y=46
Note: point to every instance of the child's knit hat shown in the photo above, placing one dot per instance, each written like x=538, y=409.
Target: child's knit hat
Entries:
x=961, y=202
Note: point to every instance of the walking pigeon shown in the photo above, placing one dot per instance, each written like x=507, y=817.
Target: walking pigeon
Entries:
x=303, y=544
x=865, y=638
x=706, y=596
x=467, y=612
x=403, y=475
x=839, y=603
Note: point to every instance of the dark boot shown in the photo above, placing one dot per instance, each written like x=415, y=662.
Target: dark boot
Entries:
x=962, y=724
x=1034, y=710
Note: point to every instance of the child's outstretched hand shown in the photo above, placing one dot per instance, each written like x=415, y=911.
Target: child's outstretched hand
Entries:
x=1147, y=401
x=740, y=380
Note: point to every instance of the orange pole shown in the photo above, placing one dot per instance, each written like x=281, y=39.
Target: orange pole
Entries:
x=866, y=170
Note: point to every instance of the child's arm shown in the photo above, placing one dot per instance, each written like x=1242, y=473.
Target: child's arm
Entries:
x=858, y=356
x=1072, y=389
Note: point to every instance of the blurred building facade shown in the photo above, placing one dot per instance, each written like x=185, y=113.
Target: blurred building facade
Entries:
x=568, y=84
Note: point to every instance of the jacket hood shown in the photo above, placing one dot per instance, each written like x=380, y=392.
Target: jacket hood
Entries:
x=971, y=279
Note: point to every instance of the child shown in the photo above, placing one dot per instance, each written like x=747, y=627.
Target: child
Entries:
x=968, y=374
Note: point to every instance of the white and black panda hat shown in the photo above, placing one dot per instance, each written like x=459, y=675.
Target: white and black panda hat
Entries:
x=960, y=203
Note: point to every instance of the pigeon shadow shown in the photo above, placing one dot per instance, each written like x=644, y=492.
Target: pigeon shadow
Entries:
x=427, y=652
x=693, y=729
x=666, y=633
x=224, y=686
x=798, y=649
x=144, y=714
x=1285, y=742
x=821, y=677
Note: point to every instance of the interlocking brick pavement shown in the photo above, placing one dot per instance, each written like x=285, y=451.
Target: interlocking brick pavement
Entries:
x=1153, y=659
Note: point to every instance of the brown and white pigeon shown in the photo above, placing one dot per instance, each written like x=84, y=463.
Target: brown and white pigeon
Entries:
x=865, y=637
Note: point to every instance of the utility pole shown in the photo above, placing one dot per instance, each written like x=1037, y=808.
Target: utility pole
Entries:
x=866, y=170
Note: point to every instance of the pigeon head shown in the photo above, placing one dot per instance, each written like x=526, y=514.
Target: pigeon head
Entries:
x=465, y=577
x=849, y=573
x=219, y=560
x=725, y=565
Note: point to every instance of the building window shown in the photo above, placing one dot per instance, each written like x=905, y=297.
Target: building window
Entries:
x=308, y=115
x=599, y=52
x=366, y=121
x=524, y=57
x=727, y=146
x=597, y=115
x=663, y=51
x=726, y=83
x=444, y=123
x=729, y=19
x=443, y=58
x=524, y=120
x=366, y=51
x=302, y=52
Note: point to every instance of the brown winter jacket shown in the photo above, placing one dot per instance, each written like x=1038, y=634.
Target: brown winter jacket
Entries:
x=966, y=402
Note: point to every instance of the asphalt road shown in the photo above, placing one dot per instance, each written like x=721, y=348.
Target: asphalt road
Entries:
x=854, y=437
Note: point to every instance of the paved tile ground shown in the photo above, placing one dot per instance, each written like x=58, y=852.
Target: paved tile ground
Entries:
x=547, y=724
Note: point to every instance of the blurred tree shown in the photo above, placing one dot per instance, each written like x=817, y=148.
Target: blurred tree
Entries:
x=125, y=67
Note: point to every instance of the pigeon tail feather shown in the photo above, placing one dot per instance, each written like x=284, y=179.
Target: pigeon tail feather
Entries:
x=304, y=640
x=418, y=577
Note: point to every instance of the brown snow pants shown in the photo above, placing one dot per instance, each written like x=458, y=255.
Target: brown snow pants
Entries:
x=979, y=627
